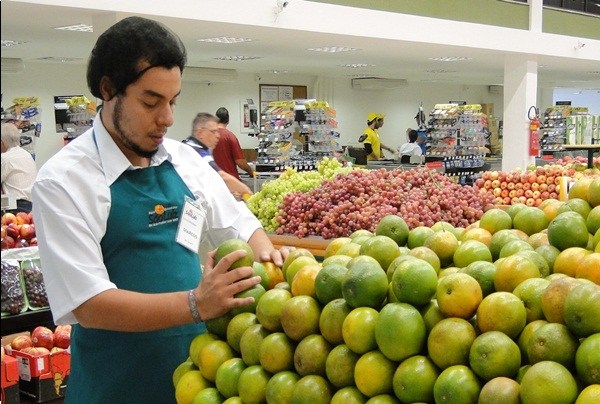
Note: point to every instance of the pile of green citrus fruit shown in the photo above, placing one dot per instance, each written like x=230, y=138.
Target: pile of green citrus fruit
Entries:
x=507, y=309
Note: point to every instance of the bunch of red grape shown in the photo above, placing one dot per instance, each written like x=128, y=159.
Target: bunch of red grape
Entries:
x=359, y=199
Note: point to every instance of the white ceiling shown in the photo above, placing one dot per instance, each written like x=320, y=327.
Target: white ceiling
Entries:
x=281, y=41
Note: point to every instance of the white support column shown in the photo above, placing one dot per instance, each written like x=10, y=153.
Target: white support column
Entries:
x=520, y=92
x=535, y=15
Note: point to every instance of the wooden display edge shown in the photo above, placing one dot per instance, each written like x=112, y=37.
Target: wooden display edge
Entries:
x=316, y=245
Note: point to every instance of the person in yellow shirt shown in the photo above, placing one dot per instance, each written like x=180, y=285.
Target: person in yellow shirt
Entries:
x=370, y=137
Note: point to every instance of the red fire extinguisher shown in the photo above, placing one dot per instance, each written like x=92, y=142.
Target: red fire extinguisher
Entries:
x=534, y=131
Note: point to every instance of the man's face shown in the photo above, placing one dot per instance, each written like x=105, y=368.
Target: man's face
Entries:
x=208, y=134
x=378, y=123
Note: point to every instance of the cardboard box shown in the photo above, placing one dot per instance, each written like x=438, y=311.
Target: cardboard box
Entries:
x=10, y=381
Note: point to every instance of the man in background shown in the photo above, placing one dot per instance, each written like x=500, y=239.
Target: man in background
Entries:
x=370, y=138
x=205, y=137
x=18, y=168
x=228, y=153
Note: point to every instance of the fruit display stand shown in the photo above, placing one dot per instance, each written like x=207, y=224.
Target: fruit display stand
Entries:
x=590, y=148
x=316, y=245
x=10, y=380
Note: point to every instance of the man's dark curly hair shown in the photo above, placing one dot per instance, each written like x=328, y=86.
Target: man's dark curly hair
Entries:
x=120, y=49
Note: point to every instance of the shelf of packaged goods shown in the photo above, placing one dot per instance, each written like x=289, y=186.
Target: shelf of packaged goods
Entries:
x=590, y=148
x=27, y=321
x=316, y=245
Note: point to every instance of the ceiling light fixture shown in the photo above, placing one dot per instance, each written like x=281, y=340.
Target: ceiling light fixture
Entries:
x=237, y=58
x=440, y=71
x=356, y=65
x=8, y=43
x=333, y=49
x=450, y=58
x=58, y=59
x=77, y=27
x=224, y=39
x=278, y=71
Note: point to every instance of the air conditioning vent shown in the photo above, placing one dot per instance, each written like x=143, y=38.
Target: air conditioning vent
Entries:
x=495, y=89
x=208, y=75
x=12, y=65
x=375, y=83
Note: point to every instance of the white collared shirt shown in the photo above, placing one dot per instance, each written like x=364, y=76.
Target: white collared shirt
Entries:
x=72, y=202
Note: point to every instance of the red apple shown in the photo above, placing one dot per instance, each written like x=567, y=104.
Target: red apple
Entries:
x=27, y=231
x=22, y=217
x=12, y=230
x=8, y=218
x=62, y=338
x=20, y=342
x=56, y=349
x=7, y=242
x=36, y=351
x=30, y=216
x=43, y=337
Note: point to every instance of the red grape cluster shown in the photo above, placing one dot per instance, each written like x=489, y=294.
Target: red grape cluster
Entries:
x=359, y=199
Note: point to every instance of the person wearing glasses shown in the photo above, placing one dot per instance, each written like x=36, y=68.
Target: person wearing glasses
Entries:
x=205, y=137
x=120, y=213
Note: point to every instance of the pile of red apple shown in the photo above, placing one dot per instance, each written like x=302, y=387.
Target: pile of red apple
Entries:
x=18, y=230
x=42, y=341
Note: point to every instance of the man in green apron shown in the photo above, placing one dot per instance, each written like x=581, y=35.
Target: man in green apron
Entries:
x=120, y=212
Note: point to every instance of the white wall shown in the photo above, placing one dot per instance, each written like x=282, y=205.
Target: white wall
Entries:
x=47, y=80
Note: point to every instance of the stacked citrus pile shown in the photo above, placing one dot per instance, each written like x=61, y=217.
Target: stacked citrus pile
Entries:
x=507, y=309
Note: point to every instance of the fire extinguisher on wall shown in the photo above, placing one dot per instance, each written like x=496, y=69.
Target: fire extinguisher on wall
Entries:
x=534, y=131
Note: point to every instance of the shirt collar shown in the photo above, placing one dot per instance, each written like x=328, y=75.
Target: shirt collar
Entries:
x=112, y=158
x=192, y=139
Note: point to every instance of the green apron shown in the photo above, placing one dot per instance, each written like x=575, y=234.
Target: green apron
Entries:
x=141, y=255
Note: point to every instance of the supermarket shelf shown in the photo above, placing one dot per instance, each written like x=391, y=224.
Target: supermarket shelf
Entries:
x=590, y=148
x=315, y=245
x=27, y=321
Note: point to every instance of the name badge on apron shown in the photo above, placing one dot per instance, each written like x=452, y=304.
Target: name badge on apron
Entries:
x=189, y=231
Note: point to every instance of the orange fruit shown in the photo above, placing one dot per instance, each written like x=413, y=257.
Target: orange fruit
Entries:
x=483, y=272
x=568, y=259
x=499, y=239
x=312, y=389
x=361, y=232
x=328, y=282
x=538, y=260
x=414, y=282
x=589, y=268
x=339, y=366
x=538, y=239
x=589, y=395
x=431, y=315
x=512, y=271
x=587, y=360
x=442, y=225
x=190, y=384
x=360, y=240
x=358, y=329
x=237, y=326
x=304, y=281
x=514, y=246
x=568, y=229
x=394, y=227
x=549, y=253
x=546, y=382
x=231, y=245
x=530, y=220
x=334, y=245
x=261, y=270
x=256, y=291
x=250, y=343
x=365, y=284
x=392, y=268
x=494, y=220
x=456, y=384
x=208, y=395
x=458, y=295
x=470, y=251
x=310, y=355
x=332, y=319
x=212, y=356
x=276, y=353
x=576, y=205
x=182, y=369
x=336, y=259
x=552, y=342
x=551, y=208
x=593, y=220
x=300, y=317
x=417, y=236
x=554, y=296
x=426, y=254
x=383, y=248
x=218, y=325
x=280, y=386
x=443, y=243
x=292, y=255
x=500, y=390
x=198, y=343
x=477, y=233
x=374, y=373
x=351, y=249
x=252, y=384
x=274, y=273
x=297, y=265
x=530, y=292
x=593, y=196
x=400, y=322
x=228, y=374
x=494, y=354
x=348, y=395
x=268, y=309
x=526, y=336
x=449, y=342
x=581, y=309
x=414, y=379
x=502, y=311
x=580, y=188
x=512, y=210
